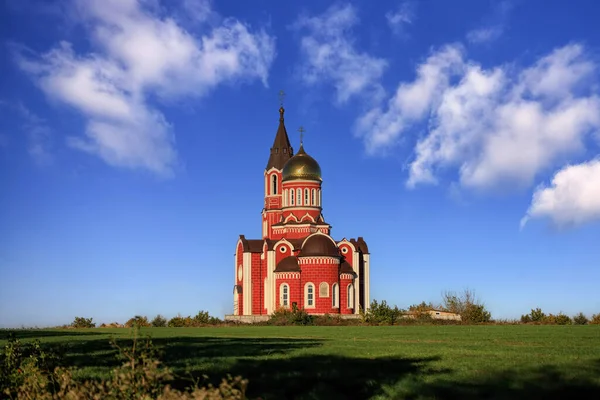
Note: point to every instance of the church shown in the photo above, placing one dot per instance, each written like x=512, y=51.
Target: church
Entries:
x=297, y=262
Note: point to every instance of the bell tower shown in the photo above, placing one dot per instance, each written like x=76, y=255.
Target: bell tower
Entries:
x=281, y=152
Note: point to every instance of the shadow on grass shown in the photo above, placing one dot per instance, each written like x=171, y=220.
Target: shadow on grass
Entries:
x=548, y=382
x=278, y=368
x=40, y=333
x=177, y=352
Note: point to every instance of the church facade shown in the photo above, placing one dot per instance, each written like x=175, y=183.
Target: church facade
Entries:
x=297, y=262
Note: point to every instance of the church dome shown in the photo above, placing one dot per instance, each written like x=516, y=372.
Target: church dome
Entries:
x=319, y=245
x=301, y=166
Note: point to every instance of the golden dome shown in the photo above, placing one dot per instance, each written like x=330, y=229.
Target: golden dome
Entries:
x=301, y=166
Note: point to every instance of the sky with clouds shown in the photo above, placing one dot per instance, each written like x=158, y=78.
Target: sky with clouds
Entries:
x=461, y=139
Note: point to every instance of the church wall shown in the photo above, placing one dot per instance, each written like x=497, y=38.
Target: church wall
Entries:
x=317, y=273
x=344, y=296
x=281, y=255
x=240, y=282
x=293, y=281
x=258, y=291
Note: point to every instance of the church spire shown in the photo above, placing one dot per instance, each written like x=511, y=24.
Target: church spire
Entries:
x=281, y=150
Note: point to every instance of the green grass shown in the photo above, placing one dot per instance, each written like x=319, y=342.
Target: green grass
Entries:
x=447, y=362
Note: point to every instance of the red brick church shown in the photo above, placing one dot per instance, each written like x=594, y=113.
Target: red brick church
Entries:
x=297, y=262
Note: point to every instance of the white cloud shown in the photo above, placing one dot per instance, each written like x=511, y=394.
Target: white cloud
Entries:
x=493, y=26
x=572, y=199
x=404, y=15
x=411, y=101
x=329, y=54
x=140, y=54
x=484, y=35
x=498, y=125
x=39, y=135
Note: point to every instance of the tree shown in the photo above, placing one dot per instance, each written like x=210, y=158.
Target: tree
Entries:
x=382, y=313
x=80, y=322
x=138, y=321
x=467, y=305
x=159, y=321
x=580, y=319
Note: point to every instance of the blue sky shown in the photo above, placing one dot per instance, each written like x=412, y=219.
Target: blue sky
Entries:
x=461, y=139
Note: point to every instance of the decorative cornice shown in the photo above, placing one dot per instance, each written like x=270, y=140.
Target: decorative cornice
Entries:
x=318, y=260
x=287, y=275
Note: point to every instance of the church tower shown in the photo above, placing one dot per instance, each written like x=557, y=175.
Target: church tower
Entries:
x=281, y=152
x=297, y=262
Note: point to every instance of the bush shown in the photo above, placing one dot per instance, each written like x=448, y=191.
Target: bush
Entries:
x=476, y=313
x=180, y=322
x=18, y=360
x=595, y=319
x=382, y=313
x=159, y=321
x=137, y=321
x=140, y=377
x=80, y=322
x=536, y=316
x=562, y=319
x=295, y=316
x=203, y=318
x=467, y=305
x=580, y=319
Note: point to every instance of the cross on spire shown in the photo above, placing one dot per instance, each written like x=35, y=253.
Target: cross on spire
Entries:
x=301, y=130
x=281, y=97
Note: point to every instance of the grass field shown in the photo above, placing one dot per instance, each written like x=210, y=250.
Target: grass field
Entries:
x=447, y=362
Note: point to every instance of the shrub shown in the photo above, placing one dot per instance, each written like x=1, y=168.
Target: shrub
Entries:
x=476, y=313
x=382, y=313
x=159, y=321
x=580, y=319
x=80, y=322
x=467, y=305
x=562, y=319
x=536, y=315
x=180, y=322
x=595, y=319
x=203, y=318
x=140, y=377
x=18, y=360
x=137, y=321
x=295, y=316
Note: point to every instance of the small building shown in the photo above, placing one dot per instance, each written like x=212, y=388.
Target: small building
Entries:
x=297, y=262
x=435, y=314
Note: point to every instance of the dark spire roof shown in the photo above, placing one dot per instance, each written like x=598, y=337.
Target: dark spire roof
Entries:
x=281, y=150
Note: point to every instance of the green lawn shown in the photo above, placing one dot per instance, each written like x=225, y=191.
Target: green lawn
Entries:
x=444, y=362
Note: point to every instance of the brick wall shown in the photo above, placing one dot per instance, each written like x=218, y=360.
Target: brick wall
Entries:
x=257, y=283
x=316, y=274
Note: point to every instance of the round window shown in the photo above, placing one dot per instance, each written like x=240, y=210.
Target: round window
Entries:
x=282, y=249
x=344, y=250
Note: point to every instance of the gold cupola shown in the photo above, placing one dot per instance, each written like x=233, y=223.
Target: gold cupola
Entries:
x=301, y=167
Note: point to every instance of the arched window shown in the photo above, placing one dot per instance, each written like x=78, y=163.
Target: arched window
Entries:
x=319, y=199
x=350, y=296
x=323, y=289
x=274, y=184
x=306, y=202
x=309, y=295
x=292, y=198
x=313, y=202
x=299, y=192
x=335, y=295
x=284, y=295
